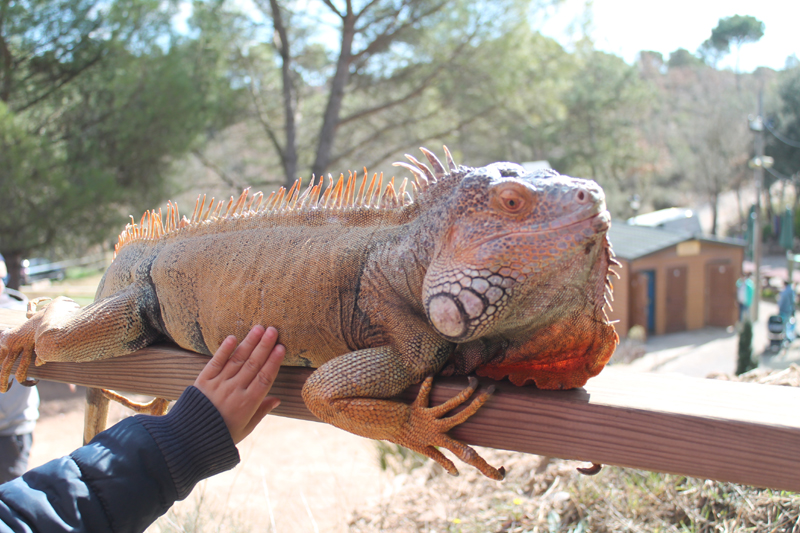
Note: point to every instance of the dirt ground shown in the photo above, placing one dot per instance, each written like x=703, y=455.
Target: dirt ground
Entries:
x=299, y=476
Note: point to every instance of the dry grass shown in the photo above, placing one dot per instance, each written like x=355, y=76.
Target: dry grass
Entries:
x=551, y=496
x=543, y=495
x=789, y=377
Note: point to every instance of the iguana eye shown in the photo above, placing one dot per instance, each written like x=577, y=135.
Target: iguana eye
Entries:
x=512, y=201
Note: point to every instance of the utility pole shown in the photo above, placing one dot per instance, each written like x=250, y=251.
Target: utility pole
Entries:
x=757, y=164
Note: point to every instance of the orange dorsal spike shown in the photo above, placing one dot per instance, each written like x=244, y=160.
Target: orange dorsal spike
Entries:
x=304, y=198
x=377, y=198
x=257, y=199
x=315, y=194
x=402, y=192
x=337, y=193
x=196, y=206
x=349, y=190
x=298, y=185
x=288, y=197
x=389, y=195
x=327, y=193
x=360, y=196
x=368, y=198
x=279, y=199
x=270, y=200
x=239, y=206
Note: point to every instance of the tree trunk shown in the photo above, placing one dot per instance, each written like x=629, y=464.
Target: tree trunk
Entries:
x=7, y=61
x=334, y=107
x=14, y=266
x=714, y=213
x=289, y=157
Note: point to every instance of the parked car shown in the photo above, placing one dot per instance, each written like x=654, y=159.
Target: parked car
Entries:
x=40, y=268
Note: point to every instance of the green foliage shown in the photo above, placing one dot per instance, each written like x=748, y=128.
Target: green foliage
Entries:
x=745, y=361
x=736, y=30
x=786, y=122
x=100, y=98
x=606, y=103
x=681, y=58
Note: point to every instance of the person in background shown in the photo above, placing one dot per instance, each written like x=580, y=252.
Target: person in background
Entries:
x=19, y=411
x=744, y=294
x=786, y=308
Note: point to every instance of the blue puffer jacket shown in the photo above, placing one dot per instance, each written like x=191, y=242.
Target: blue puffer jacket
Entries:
x=127, y=477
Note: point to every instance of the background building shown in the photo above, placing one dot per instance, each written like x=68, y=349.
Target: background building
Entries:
x=673, y=280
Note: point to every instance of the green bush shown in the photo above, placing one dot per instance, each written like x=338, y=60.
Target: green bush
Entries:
x=745, y=361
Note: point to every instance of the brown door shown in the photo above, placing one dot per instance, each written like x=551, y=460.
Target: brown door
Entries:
x=721, y=306
x=676, y=299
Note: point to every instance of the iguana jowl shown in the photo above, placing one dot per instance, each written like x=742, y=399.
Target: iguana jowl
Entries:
x=489, y=270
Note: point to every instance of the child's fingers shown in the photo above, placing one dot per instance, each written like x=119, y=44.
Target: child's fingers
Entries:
x=242, y=352
x=257, y=358
x=269, y=370
x=217, y=362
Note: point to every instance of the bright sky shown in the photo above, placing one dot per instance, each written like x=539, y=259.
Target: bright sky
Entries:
x=625, y=27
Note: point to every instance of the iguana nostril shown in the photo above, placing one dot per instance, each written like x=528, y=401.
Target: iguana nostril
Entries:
x=581, y=196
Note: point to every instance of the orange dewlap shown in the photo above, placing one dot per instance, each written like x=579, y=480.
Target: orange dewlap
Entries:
x=559, y=357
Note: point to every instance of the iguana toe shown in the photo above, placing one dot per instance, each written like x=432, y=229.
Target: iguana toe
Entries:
x=427, y=427
x=15, y=345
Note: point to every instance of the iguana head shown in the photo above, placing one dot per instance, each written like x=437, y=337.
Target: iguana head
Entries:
x=520, y=271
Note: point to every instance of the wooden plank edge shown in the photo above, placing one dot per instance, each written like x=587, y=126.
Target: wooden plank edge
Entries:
x=566, y=424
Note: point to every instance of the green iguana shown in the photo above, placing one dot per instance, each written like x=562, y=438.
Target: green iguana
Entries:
x=489, y=270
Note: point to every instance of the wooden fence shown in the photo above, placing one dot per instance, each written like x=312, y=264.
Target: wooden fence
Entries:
x=741, y=432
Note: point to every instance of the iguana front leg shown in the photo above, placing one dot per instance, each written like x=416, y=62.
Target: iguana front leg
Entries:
x=349, y=393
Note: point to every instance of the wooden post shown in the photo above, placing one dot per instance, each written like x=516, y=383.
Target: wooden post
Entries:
x=740, y=432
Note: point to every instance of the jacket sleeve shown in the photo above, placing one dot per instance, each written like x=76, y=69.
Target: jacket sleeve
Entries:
x=127, y=477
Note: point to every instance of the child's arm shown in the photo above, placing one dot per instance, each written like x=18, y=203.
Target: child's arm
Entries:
x=133, y=472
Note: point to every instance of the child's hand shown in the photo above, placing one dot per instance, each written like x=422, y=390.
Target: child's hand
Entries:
x=238, y=384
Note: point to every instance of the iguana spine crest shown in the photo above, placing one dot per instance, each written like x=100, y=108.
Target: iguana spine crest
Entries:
x=342, y=196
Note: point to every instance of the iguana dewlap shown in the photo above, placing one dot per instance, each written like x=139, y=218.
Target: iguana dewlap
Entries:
x=489, y=270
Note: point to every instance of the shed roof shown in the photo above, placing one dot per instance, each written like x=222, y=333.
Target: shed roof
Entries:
x=632, y=242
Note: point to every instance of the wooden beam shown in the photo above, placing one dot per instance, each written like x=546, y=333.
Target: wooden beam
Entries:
x=740, y=432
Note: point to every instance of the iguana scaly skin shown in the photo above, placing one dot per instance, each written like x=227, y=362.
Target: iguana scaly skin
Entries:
x=489, y=270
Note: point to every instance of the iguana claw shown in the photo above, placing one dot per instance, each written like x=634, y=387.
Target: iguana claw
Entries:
x=426, y=429
x=33, y=305
x=16, y=347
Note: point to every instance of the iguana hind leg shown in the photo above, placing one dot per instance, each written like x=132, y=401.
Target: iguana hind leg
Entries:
x=63, y=331
x=95, y=414
x=156, y=406
x=351, y=393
